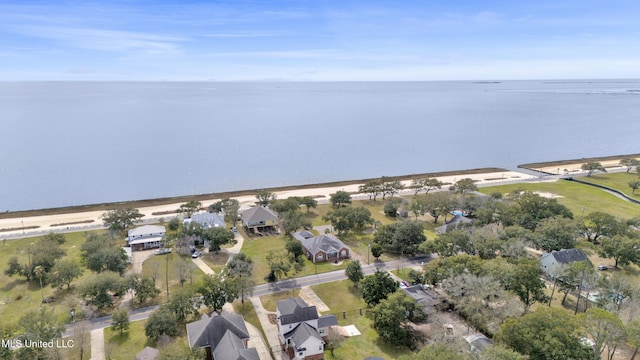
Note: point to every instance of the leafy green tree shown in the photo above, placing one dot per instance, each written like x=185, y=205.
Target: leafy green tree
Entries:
x=391, y=317
x=291, y=221
x=633, y=337
x=309, y=202
x=99, y=288
x=449, y=244
x=533, y=208
x=547, y=333
x=623, y=249
x=240, y=264
x=231, y=209
x=144, y=287
x=426, y=184
x=103, y=254
x=629, y=163
x=216, y=290
x=439, y=204
x=376, y=250
x=401, y=237
x=373, y=188
x=161, y=322
x=377, y=287
x=189, y=208
x=556, y=234
x=485, y=242
x=279, y=265
x=390, y=186
x=600, y=224
x=340, y=199
x=64, y=272
x=524, y=281
x=183, y=305
x=35, y=326
x=354, y=272
x=265, y=198
x=119, y=220
x=464, y=186
x=174, y=224
x=592, y=167
x=39, y=273
x=350, y=218
x=634, y=185
x=392, y=206
x=294, y=248
x=604, y=328
x=217, y=236
x=120, y=320
x=286, y=205
x=54, y=237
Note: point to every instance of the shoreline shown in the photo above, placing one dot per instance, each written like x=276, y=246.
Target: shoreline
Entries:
x=20, y=224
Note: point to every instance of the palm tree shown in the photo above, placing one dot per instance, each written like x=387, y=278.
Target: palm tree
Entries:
x=39, y=272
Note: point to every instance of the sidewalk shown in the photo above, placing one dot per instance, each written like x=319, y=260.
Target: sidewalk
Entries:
x=270, y=330
x=97, y=344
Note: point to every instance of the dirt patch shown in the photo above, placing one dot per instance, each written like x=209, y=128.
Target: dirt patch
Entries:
x=548, y=195
x=272, y=318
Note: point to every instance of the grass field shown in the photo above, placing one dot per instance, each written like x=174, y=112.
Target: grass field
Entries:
x=216, y=261
x=618, y=181
x=350, y=301
x=158, y=264
x=269, y=300
x=127, y=345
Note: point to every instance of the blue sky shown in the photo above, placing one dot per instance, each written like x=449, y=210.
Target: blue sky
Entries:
x=319, y=40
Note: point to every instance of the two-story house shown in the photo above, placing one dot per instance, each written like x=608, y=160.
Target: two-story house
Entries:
x=300, y=329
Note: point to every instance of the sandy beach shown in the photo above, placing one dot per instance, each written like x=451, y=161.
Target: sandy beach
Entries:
x=37, y=225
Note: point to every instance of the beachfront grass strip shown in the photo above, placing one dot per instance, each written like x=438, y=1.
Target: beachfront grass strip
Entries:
x=269, y=300
x=127, y=345
x=617, y=181
x=575, y=196
x=350, y=301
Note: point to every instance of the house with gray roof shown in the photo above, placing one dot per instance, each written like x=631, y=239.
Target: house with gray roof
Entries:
x=458, y=222
x=300, y=329
x=207, y=220
x=553, y=263
x=223, y=336
x=146, y=237
x=325, y=247
x=259, y=218
x=148, y=353
x=428, y=298
x=477, y=342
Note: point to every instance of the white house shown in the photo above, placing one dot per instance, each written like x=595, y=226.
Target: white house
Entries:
x=146, y=237
x=553, y=262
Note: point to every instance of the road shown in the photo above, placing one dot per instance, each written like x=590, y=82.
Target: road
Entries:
x=284, y=285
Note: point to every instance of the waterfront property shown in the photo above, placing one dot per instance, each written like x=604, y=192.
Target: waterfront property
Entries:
x=456, y=223
x=146, y=237
x=258, y=219
x=207, y=220
x=324, y=247
x=300, y=329
x=223, y=337
x=553, y=262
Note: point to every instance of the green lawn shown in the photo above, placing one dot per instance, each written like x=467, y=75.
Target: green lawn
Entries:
x=350, y=301
x=158, y=264
x=269, y=300
x=127, y=345
x=576, y=197
x=249, y=314
x=216, y=261
x=618, y=181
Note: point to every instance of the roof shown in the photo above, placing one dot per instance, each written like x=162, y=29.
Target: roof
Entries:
x=231, y=347
x=146, y=230
x=144, y=240
x=208, y=331
x=567, y=256
x=427, y=299
x=324, y=242
x=301, y=333
x=456, y=222
x=257, y=214
x=301, y=235
x=295, y=310
x=207, y=219
x=478, y=341
x=326, y=321
x=148, y=353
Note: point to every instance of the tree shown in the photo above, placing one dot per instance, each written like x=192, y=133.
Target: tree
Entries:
x=634, y=185
x=401, y=237
x=373, y=188
x=189, y=208
x=183, y=305
x=354, y=272
x=623, y=249
x=291, y=221
x=309, y=202
x=629, y=163
x=376, y=250
x=377, y=287
x=38, y=326
x=294, y=248
x=217, y=236
x=464, y=186
x=392, y=206
x=265, y=198
x=38, y=271
x=426, y=184
x=597, y=224
x=231, y=209
x=216, y=290
x=390, y=186
x=340, y=199
x=56, y=238
x=439, y=204
x=98, y=289
x=604, y=328
x=593, y=166
x=120, y=320
x=533, y=208
x=119, y=220
x=174, y=224
x=289, y=204
x=279, y=265
x=333, y=340
x=161, y=322
x=391, y=316
x=102, y=253
x=64, y=272
x=144, y=287
x=547, y=333
x=449, y=244
x=556, y=234
x=524, y=281
x=350, y=218
x=633, y=336
x=438, y=351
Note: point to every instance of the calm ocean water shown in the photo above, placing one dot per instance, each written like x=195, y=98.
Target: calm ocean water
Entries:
x=72, y=143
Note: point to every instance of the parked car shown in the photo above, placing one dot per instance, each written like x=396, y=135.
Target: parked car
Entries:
x=196, y=254
x=602, y=267
x=163, y=251
x=234, y=229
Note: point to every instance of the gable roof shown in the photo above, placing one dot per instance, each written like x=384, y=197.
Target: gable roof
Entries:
x=295, y=310
x=326, y=321
x=257, y=214
x=231, y=347
x=324, y=242
x=567, y=256
x=148, y=353
x=208, y=331
x=301, y=235
x=456, y=222
x=146, y=230
x=301, y=333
